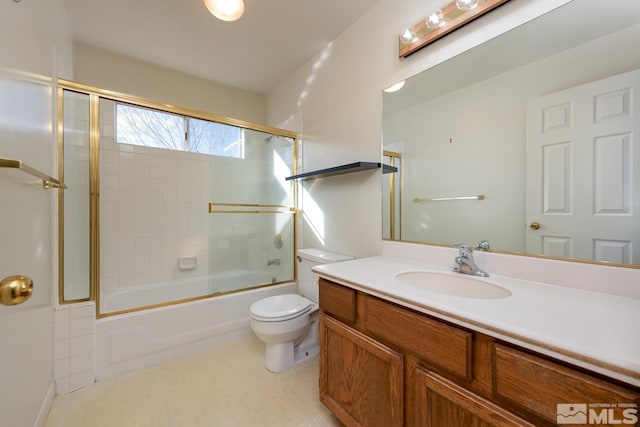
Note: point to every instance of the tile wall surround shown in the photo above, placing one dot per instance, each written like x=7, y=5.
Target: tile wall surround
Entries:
x=74, y=346
x=152, y=210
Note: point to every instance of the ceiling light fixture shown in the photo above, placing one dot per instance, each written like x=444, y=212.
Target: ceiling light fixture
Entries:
x=225, y=10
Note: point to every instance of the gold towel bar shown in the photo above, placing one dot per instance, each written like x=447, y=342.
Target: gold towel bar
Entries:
x=47, y=181
x=439, y=199
x=244, y=208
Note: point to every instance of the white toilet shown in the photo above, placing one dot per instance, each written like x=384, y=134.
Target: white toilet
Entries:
x=288, y=323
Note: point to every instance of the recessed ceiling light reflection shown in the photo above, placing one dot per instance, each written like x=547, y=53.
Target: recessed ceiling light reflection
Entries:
x=394, y=88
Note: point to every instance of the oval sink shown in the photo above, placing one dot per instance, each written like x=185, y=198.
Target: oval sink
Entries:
x=455, y=284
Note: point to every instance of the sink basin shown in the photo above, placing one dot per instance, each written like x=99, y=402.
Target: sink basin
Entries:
x=455, y=284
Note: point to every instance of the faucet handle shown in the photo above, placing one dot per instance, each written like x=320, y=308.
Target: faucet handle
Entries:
x=464, y=249
x=483, y=245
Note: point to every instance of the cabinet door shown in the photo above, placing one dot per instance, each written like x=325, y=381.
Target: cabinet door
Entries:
x=360, y=379
x=442, y=403
x=550, y=390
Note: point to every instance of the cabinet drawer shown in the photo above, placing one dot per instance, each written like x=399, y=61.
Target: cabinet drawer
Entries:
x=338, y=301
x=539, y=385
x=435, y=342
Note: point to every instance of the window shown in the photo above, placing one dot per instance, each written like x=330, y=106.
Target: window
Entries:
x=215, y=138
x=154, y=128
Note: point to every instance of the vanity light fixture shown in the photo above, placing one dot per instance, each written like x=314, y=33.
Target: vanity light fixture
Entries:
x=226, y=10
x=443, y=21
x=394, y=88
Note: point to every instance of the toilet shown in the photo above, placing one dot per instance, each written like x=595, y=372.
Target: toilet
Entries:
x=288, y=323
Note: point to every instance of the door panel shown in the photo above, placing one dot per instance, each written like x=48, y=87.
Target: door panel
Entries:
x=26, y=330
x=583, y=171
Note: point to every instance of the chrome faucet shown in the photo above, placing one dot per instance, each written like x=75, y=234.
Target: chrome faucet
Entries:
x=275, y=261
x=466, y=264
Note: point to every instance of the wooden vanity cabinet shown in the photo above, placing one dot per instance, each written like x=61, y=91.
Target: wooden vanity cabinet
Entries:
x=382, y=364
x=361, y=380
x=536, y=385
x=440, y=402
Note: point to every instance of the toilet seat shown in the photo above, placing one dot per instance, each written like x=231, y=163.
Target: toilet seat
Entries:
x=280, y=307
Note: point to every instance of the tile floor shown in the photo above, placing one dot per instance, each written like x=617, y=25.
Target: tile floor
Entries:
x=225, y=386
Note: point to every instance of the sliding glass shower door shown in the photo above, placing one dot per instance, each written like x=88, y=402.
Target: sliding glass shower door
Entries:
x=252, y=215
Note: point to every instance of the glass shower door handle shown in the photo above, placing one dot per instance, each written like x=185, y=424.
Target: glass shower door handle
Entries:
x=15, y=289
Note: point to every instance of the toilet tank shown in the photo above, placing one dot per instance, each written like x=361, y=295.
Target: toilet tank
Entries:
x=309, y=258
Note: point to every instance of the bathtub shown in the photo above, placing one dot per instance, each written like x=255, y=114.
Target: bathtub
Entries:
x=131, y=341
x=162, y=292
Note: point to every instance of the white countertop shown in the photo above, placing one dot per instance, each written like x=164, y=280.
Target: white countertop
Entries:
x=597, y=331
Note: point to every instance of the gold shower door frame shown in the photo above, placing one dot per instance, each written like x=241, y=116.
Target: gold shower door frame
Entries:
x=95, y=94
x=395, y=193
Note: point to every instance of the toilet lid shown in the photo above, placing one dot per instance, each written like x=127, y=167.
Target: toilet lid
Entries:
x=280, y=307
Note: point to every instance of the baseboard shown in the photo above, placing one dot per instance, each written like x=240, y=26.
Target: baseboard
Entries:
x=46, y=405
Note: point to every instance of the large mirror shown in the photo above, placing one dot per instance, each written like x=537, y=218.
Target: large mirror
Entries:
x=530, y=141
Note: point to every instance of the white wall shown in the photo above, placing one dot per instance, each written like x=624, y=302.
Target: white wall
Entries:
x=335, y=102
x=108, y=70
x=36, y=45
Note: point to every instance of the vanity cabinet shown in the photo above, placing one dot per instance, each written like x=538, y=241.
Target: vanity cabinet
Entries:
x=441, y=402
x=361, y=379
x=537, y=384
x=382, y=364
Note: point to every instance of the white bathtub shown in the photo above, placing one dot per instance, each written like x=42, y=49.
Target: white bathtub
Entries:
x=157, y=293
x=135, y=340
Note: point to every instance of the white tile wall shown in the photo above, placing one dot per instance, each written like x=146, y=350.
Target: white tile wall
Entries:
x=153, y=210
x=74, y=346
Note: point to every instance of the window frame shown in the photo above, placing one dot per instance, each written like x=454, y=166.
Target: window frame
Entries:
x=186, y=143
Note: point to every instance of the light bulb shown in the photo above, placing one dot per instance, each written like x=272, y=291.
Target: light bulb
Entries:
x=225, y=10
x=408, y=36
x=435, y=20
x=466, y=4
